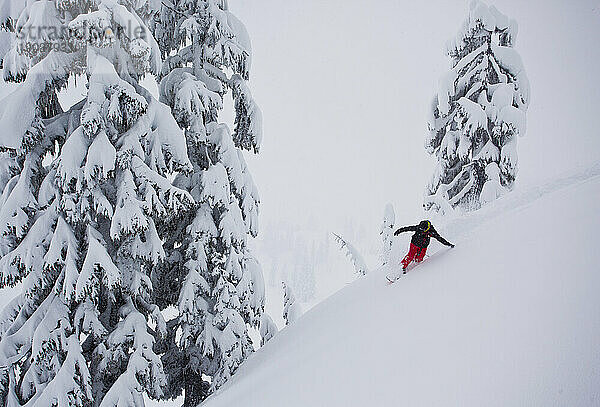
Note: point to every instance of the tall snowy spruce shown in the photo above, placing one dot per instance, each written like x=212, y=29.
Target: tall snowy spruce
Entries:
x=82, y=193
x=477, y=114
x=209, y=274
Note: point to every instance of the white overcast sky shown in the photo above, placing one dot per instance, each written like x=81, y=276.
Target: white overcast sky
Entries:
x=345, y=87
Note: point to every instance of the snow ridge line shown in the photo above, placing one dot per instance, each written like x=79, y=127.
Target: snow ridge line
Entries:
x=464, y=224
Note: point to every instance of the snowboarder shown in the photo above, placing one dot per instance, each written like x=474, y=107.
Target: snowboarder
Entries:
x=419, y=242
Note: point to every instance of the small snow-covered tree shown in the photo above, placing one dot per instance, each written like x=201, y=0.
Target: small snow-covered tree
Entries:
x=387, y=233
x=209, y=273
x=267, y=329
x=82, y=193
x=360, y=266
x=291, y=309
x=477, y=114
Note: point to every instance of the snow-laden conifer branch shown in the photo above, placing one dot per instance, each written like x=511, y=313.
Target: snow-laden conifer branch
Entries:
x=353, y=254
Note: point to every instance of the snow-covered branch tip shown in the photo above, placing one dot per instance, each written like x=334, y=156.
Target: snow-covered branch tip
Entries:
x=352, y=252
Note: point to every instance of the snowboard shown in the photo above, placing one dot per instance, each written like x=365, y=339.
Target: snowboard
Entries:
x=395, y=276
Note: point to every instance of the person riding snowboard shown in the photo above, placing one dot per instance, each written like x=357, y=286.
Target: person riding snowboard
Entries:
x=419, y=242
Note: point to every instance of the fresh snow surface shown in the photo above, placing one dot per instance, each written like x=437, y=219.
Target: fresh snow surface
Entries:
x=507, y=318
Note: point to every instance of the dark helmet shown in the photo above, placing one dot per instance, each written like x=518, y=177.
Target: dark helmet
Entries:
x=424, y=225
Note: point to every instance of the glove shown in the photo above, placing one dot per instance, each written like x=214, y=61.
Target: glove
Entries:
x=451, y=246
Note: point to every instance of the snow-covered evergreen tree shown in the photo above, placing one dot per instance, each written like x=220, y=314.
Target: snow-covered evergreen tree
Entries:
x=360, y=266
x=387, y=233
x=82, y=193
x=267, y=329
x=291, y=309
x=477, y=114
x=209, y=273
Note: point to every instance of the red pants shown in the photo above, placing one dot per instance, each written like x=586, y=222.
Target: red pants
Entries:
x=414, y=253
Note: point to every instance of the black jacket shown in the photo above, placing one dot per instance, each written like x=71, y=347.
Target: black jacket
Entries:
x=422, y=238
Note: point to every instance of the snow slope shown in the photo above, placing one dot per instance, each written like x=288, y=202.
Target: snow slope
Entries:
x=510, y=317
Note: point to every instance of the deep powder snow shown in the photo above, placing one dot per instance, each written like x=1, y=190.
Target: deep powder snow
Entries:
x=507, y=318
